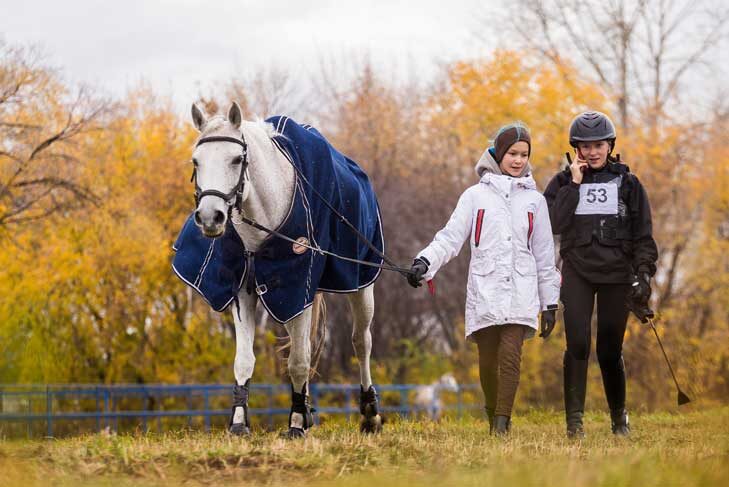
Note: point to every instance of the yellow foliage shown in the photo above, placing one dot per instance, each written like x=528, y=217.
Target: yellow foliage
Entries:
x=512, y=86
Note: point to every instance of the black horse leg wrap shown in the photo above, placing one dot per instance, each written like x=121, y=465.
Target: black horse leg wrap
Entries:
x=300, y=404
x=240, y=399
x=368, y=404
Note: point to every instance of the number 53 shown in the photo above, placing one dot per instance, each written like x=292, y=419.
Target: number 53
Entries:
x=599, y=195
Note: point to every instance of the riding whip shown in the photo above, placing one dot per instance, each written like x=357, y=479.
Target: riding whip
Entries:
x=682, y=397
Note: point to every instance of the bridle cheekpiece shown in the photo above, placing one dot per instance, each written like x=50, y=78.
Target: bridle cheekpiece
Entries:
x=234, y=198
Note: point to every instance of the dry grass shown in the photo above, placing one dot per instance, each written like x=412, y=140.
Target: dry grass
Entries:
x=664, y=450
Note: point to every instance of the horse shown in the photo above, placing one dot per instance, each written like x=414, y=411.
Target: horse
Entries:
x=245, y=180
x=427, y=397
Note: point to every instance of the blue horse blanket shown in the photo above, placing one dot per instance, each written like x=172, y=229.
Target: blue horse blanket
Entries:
x=284, y=275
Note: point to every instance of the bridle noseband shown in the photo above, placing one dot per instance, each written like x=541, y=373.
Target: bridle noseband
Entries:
x=234, y=199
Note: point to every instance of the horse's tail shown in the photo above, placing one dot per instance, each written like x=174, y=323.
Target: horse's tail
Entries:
x=318, y=332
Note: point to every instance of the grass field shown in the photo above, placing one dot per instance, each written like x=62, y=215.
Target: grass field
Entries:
x=689, y=449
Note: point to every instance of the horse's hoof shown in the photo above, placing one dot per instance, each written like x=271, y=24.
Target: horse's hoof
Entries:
x=371, y=425
x=293, y=433
x=239, y=429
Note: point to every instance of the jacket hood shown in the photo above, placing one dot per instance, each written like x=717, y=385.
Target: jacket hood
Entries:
x=508, y=183
x=488, y=165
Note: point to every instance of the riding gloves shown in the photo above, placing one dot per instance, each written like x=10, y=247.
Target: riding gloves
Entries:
x=419, y=267
x=640, y=293
x=549, y=318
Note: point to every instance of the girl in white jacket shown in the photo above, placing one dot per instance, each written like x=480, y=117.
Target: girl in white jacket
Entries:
x=512, y=275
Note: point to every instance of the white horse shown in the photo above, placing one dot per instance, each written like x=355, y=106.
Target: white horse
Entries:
x=427, y=398
x=268, y=181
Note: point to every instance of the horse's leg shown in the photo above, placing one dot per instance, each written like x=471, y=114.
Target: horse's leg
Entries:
x=362, y=304
x=300, y=418
x=245, y=328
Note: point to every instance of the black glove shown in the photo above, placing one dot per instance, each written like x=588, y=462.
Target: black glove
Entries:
x=549, y=318
x=642, y=312
x=640, y=292
x=419, y=267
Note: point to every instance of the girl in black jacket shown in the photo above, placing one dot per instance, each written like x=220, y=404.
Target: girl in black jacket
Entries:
x=602, y=214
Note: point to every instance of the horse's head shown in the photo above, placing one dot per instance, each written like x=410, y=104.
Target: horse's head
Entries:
x=220, y=161
x=448, y=383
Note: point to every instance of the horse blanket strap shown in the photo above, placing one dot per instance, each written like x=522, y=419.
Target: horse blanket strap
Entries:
x=313, y=249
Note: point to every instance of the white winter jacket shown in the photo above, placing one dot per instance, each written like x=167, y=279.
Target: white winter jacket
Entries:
x=512, y=274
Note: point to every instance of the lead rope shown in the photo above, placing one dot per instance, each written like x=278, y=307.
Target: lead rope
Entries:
x=258, y=226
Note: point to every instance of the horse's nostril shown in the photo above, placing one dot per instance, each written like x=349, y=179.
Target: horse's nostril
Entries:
x=198, y=221
x=219, y=217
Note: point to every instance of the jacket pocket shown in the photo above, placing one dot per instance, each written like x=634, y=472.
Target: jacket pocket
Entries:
x=526, y=266
x=483, y=290
x=525, y=304
x=483, y=266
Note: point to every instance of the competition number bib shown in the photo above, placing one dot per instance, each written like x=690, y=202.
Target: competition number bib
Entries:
x=598, y=199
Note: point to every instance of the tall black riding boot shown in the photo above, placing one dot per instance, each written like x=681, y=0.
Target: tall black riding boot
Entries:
x=575, y=385
x=613, y=378
x=619, y=422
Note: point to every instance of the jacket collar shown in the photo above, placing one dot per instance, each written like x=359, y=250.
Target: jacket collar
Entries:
x=508, y=184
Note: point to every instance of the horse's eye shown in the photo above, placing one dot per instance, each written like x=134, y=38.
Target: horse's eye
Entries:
x=237, y=160
x=194, y=162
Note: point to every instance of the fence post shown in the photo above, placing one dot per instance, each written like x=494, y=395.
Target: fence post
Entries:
x=189, y=406
x=459, y=395
x=206, y=406
x=106, y=408
x=30, y=412
x=159, y=408
x=116, y=416
x=404, y=403
x=348, y=403
x=270, y=407
x=98, y=411
x=49, y=412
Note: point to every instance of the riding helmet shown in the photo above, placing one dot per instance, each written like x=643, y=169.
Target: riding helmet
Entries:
x=590, y=127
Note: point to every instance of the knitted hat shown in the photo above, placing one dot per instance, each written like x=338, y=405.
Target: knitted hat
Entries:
x=509, y=135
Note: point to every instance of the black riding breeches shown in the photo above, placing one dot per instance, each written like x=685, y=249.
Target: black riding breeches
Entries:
x=578, y=297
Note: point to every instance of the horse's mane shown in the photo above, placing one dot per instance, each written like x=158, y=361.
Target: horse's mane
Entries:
x=219, y=123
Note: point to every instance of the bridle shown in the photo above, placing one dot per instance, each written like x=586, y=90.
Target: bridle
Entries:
x=234, y=198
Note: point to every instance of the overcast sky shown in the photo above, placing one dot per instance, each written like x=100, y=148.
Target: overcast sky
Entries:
x=181, y=46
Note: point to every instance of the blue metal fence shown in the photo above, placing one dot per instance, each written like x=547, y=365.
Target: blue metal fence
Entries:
x=105, y=405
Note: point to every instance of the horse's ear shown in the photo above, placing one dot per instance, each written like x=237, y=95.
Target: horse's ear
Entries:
x=198, y=117
x=234, y=115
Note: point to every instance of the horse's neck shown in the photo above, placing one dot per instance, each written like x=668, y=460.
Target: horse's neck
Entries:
x=272, y=181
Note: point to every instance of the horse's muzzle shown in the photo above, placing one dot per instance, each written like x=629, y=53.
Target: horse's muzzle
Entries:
x=211, y=222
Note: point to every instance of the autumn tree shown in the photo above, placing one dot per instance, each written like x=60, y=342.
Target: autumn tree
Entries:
x=42, y=122
x=641, y=51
